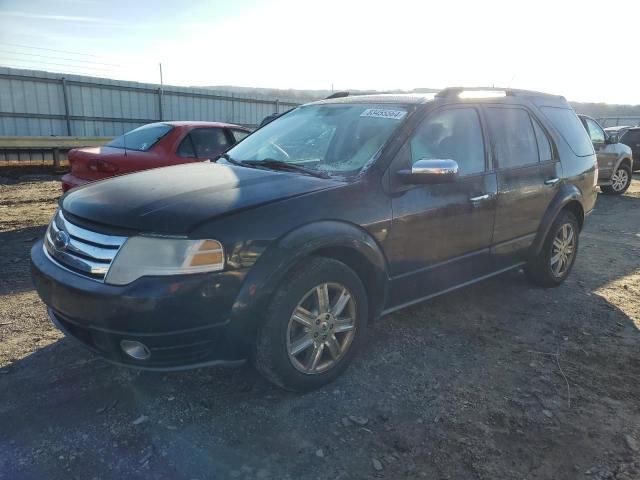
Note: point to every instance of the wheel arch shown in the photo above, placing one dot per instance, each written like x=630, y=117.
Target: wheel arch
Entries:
x=568, y=198
x=342, y=241
x=625, y=161
x=367, y=271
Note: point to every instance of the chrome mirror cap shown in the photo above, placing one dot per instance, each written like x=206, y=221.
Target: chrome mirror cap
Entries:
x=435, y=166
x=430, y=170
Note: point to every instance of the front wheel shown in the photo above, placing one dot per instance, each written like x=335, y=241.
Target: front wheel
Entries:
x=620, y=181
x=551, y=266
x=315, y=322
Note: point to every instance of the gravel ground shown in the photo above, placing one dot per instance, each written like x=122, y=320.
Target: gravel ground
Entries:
x=496, y=381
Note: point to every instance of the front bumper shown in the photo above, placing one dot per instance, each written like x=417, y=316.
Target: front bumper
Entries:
x=183, y=320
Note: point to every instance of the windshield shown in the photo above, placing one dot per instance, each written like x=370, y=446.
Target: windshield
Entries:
x=141, y=138
x=332, y=138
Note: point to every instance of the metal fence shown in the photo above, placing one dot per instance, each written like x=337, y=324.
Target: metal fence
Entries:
x=43, y=103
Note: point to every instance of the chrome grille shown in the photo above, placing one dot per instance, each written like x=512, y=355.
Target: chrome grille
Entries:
x=80, y=250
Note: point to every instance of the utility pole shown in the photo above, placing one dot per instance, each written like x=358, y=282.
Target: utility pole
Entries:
x=160, y=92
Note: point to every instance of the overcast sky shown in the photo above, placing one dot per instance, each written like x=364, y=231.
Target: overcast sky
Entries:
x=573, y=48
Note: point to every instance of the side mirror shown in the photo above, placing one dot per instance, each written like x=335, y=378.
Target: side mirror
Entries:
x=434, y=170
x=613, y=138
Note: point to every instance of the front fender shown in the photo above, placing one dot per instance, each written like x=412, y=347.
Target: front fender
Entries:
x=624, y=158
x=623, y=153
x=273, y=265
x=568, y=193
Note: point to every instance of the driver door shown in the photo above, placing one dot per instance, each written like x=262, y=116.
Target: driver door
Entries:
x=441, y=234
x=606, y=153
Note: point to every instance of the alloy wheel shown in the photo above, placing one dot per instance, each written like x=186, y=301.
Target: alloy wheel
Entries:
x=563, y=249
x=619, y=179
x=321, y=328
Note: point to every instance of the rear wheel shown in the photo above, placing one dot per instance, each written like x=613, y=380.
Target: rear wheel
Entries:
x=551, y=266
x=313, y=327
x=620, y=181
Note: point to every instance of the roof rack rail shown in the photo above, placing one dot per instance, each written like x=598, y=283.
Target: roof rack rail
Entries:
x=489, y=92
x=337, y=95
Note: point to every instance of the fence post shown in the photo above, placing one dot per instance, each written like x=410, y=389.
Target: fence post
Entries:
x=56, y=160
x=160, y=102
x=66, y=106
x=277, y=105
x=233, y=109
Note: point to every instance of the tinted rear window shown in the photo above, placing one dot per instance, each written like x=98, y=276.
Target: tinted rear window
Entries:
x=631, y=137
x=571, y=129
x=141, y=138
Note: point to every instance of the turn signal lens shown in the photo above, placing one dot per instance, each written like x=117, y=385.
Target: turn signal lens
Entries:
x=209, y=253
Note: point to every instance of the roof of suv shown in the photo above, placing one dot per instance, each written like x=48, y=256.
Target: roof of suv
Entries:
x=410, y=98
x=483, y=93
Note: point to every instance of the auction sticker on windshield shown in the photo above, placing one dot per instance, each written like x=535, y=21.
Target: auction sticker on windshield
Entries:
x=383, y=113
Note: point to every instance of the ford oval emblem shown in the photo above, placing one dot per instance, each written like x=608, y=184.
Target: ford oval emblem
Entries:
x=61, y=240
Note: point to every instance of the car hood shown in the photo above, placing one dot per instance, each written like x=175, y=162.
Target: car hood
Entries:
x=173, y=200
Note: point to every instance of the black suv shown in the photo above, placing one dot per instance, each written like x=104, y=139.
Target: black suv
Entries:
x=332, y=215
x=631, y=138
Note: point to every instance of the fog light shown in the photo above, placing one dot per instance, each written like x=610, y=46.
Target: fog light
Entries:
x=134, y=349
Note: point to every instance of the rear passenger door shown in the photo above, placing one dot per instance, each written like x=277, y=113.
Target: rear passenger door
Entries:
x=528, y=177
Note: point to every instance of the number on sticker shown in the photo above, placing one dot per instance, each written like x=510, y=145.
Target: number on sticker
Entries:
x=383, y=113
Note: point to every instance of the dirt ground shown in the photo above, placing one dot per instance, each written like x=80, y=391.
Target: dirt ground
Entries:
x=500, y=380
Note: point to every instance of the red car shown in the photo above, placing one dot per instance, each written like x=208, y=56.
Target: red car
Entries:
x=151, y=146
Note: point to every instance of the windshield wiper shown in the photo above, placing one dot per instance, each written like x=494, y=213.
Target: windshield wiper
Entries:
x=274, y=164
x=230, y=160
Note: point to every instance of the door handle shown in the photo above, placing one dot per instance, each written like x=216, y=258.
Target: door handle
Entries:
x=479, y=198
x=551, y=181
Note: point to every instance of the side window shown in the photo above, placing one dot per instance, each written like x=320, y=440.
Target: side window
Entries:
x=186, y=148
x=595, y=132
x=453, y=134
x=544, y=145
x=514, y=140
x=570, y=127
x=209, y=142
x=239, y=134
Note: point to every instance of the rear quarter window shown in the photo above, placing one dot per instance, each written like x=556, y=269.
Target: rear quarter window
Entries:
x=568, y=124
x=239, y=134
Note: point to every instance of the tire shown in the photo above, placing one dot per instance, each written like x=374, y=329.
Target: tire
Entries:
x=620, y=181
x=541, y=270
x=314, y=327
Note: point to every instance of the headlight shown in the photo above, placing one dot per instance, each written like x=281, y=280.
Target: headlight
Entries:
x=144, y=256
